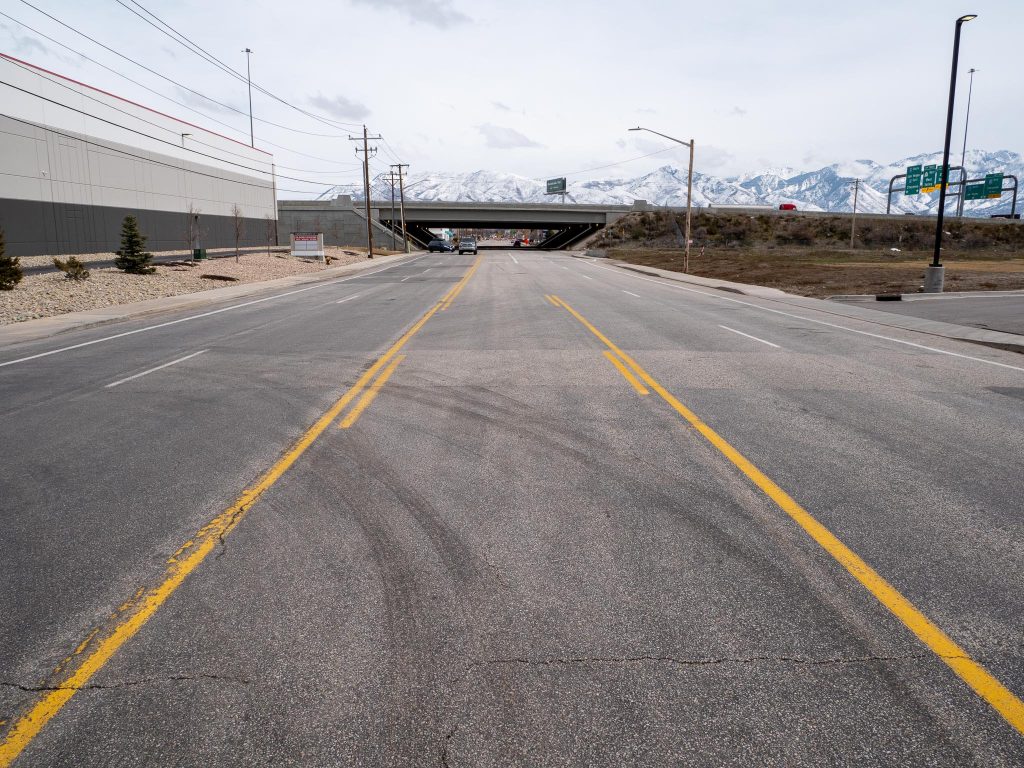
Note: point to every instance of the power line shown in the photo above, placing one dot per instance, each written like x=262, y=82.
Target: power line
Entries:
x=169, y=80
x=148, y=159
x=621, y=162
x=154, y=138
x=188, y=44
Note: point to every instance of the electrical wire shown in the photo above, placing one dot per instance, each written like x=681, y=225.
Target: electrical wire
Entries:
x=184, y=41
x=164, y=77
x=168, y=98
x=154, y=138
x=150, y=160
x=621, y=162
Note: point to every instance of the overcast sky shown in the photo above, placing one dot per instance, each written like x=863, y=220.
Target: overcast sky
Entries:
x=548, y=87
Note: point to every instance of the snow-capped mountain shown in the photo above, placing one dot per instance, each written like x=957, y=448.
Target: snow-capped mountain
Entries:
x=826, y=189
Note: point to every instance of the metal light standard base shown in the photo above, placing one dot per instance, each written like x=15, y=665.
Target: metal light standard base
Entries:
x=934, y=277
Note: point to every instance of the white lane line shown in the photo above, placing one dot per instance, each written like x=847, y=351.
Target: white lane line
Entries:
x=564, y=267
x=426, y=270
x=404, y=279
x=741, y=333
x=586, y=277
x=347, y=298
x=819, y=322
x=153, y=370
x=513, y=258
x=631, y=293
x=201, y=314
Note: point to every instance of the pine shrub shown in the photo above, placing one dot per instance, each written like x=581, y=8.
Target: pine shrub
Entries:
x=73, y=269
x=132, y=256
x=10, y=270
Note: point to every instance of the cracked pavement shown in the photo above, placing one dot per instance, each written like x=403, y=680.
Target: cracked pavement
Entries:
x=511, y=558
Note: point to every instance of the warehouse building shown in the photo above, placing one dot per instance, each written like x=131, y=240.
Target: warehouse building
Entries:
x=75, y=160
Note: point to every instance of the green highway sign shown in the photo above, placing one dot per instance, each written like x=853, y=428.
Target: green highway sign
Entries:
x=928, y=178
x=993, y=185
x=913, y=185
x=975, y=191
x=556, y=186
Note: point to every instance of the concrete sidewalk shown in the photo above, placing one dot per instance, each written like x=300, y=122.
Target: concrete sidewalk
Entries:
x=30, y=330
x=855, y=310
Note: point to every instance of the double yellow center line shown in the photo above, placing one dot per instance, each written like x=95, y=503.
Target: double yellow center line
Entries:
x=980, y=680
x=103, y=642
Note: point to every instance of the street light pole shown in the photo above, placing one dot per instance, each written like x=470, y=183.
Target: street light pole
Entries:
x=248, y=79
x=963, y=153
x=689, y=189
x=934, y=275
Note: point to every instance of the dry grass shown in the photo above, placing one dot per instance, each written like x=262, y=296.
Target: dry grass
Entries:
x=811, y=255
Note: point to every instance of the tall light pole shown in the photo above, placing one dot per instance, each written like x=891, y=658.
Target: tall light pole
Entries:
x=248, y=78
x=963, y=153
x=853, y=221
x=933, y=278
x=689, y=189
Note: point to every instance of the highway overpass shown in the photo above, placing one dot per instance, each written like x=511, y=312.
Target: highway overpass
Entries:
x=343, y=219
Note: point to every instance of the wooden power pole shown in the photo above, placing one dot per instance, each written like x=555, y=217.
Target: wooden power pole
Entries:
x=401, y=193
x=367, y=152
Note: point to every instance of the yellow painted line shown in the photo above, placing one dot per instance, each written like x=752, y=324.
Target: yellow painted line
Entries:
x=626, y=373
x=370, y=394
x=447, y=301
x=550, y=299
x=137, y=611
x=980, y=680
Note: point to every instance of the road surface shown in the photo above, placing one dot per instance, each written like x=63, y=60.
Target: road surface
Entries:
x=508, y=510
x=995, y=311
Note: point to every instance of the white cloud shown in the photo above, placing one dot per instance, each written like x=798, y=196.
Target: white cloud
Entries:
x=500, y=137
x=340, y=107
x=435, y=13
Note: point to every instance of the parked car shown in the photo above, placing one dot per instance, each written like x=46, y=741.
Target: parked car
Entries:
x=787, y=207
x=467, y=245
x=439, y=245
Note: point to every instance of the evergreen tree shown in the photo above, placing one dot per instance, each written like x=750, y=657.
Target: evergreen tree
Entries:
x=131, y=256
x=10, y=271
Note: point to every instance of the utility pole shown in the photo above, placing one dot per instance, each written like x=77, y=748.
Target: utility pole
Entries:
x=367, y=152
x=248, y=78
x=401, y=192
x=963, y=153
x=853, y=223
x=394, y=239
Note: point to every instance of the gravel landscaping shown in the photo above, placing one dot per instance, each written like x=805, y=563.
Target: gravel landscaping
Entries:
x=50, y=293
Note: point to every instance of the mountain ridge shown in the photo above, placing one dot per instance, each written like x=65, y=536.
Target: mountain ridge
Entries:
x=829, y=188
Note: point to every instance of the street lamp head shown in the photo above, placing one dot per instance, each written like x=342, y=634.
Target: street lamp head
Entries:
x=638, y=128
x=966, y=17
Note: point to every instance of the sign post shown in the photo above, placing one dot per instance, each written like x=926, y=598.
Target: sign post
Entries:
x=556, y=187
x=308, y=245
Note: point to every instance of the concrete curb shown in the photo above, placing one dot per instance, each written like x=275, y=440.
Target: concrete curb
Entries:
x=31, y=330
x=847, y=309
x=871, y=297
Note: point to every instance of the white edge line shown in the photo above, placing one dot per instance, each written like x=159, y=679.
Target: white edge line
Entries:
x=202, y=314
x=153, y=370
x=631, y=293
x=812, y=320
x=741, y=333
x=513, y=258
x=347, y=298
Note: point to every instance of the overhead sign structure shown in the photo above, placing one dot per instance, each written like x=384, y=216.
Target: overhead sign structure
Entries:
x=994, y=185
x=556, y=186
x=913, y=186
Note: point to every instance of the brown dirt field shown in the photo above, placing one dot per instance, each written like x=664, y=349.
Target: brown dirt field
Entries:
x=820, y=273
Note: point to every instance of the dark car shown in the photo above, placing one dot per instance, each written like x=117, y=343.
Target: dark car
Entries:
x=439, y=245
x=467, y=245
x=517, y=243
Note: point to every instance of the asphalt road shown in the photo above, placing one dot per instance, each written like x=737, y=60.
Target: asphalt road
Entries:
x=993, y=311
x=508, y=555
